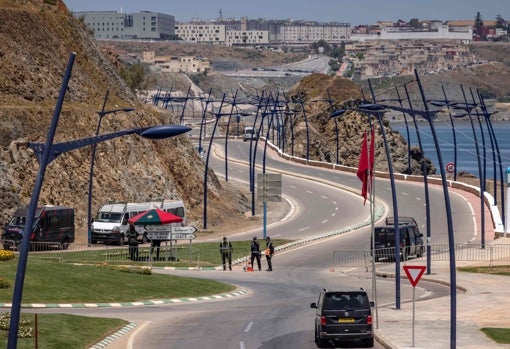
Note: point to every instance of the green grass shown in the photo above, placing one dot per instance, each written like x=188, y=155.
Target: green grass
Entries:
x=47, y=281
x=499, y=335
x=89, y=279
x=55, y=331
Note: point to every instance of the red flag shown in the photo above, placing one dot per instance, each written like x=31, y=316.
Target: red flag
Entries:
x=363, y=168
x=372, y=158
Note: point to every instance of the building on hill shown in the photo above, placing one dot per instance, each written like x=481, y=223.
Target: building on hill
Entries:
x=108, y=25
x=175, y=64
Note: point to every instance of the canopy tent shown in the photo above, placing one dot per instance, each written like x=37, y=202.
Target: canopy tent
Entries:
x=154, y=216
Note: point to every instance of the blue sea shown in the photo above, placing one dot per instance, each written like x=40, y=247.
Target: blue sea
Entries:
x=467, y=159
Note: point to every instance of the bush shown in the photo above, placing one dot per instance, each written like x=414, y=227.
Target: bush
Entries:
x=6, y=255
x=4, y=283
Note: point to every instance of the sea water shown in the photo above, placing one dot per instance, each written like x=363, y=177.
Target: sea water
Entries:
x=465, y=141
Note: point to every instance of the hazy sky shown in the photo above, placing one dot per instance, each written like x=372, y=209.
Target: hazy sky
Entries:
x=347, y=11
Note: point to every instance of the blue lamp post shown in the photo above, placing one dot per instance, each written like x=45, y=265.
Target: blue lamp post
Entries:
x=45, y=154
x=428, y=116
x=495, y=150
x=378, y=111
x=206, y=171
x=101, y=114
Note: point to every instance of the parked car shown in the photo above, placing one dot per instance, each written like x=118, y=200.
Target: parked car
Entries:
x=343, y=315
x=411, y=240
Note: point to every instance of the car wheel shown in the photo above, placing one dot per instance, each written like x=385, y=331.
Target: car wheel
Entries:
x=369, y=342
x=321, y=343
x=404, y=254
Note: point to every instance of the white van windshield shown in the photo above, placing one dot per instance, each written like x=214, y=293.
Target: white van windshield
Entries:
x=108, y=217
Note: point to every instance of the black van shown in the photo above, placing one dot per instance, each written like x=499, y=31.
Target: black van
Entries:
x=343, y=315
x=411, y=240
x=52, y=225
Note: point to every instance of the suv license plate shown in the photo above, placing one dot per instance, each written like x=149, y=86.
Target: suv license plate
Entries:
x=346, y=320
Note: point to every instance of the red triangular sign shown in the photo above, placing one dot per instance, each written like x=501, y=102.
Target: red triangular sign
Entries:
x=414, y=273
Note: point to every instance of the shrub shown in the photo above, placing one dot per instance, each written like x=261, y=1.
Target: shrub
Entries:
x=4, y=283
x=6, y=255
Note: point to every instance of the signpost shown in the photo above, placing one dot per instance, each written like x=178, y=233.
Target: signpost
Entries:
x=269, y=188
x=450, y=167
x=167, y=232
x=414, y=273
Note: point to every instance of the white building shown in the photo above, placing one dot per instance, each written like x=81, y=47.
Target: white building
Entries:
x=109, y=25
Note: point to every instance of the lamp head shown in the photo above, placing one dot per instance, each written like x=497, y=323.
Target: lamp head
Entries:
x=164, y=131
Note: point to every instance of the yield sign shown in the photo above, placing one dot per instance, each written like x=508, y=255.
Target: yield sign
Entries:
x=414, y=273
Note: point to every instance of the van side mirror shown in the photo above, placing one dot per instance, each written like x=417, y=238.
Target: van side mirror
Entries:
x=313, y=305
x=372, y=304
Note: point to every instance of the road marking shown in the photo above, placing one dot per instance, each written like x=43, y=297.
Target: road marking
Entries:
x=305, y=228
x=247, y=329
x=241, y=345
x=324, y=197
x=324, y=221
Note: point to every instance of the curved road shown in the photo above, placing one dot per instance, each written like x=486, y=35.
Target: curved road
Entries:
x=276, y=312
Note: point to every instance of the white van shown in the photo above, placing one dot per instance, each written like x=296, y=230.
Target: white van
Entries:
x=249, y=133
x=175, y=207
x=133, y=209
x=106, y=225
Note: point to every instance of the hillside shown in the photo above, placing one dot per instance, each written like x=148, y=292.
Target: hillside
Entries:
x=36, y=40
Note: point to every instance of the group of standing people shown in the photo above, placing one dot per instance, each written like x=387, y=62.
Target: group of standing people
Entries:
x=256, y=254
x=226, y=253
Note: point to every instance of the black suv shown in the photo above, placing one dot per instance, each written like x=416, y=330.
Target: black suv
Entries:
x=343, y=315
x=411, y=240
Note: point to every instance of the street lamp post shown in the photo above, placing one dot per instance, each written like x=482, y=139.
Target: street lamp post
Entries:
x=378, y=112
x=45, y=154
x=495, y=145
x=100, y=114
x=428, y=115
x=206, y=171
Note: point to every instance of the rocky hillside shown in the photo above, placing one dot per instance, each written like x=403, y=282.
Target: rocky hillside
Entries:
x=36, y=40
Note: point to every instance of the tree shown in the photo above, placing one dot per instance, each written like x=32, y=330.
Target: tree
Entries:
x=478, y=27
x=415, y=23
x=500, y=22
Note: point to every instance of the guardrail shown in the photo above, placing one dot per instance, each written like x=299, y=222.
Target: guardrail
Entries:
x=463, y=252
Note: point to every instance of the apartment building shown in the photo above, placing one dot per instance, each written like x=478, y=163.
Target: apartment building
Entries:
x=176, y=64
x=201, y=32
x=107, y=25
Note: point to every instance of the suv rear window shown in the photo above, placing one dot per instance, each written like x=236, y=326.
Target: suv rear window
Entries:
x=343, y=300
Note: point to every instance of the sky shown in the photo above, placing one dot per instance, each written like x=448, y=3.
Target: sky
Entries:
x=354, y=12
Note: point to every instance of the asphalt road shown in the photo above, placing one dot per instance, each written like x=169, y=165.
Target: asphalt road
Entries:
x=276, y=312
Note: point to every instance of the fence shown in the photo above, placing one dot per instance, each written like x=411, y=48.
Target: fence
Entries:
x=176, y=255
x=463, y=252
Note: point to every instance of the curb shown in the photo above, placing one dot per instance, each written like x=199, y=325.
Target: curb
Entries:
x=116, y=335
x=236, y=293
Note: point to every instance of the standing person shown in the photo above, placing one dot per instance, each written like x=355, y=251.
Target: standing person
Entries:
x=226, y=253
x=255, y=252
x=132, y=236
x=156, y=244
x=269, y=253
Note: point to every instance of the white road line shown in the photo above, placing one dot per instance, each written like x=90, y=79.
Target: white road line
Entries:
x=241, y=345
x=305, y=228
x=324, y=221
x=324, y=197
x=247, y=329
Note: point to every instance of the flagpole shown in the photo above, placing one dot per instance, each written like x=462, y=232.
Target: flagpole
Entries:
x=371, y=183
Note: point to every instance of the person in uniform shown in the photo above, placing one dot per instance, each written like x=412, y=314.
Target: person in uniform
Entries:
x=132, y=236
x=226, y=253
x=269, y=253
x=255, y=252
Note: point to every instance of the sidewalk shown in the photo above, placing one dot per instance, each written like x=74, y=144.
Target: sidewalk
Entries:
x=482, y=301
